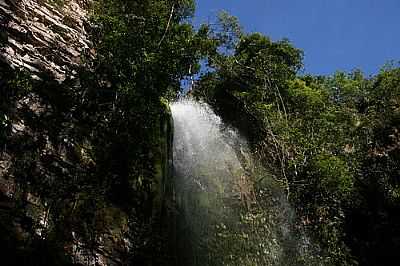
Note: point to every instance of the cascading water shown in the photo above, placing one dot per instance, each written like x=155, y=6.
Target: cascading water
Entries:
x=221, y=221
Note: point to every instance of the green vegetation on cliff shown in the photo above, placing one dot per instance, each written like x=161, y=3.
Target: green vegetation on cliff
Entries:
x=332, y=141
x=84, y=164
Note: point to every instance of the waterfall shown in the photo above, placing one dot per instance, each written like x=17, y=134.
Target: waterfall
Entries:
x=231, y=211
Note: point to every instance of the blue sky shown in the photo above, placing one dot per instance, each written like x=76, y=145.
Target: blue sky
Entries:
x=334, y=34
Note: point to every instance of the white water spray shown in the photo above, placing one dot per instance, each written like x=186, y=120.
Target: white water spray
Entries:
x=221, y=221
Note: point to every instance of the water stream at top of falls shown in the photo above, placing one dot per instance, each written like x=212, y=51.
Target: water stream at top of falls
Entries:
x=224, y=219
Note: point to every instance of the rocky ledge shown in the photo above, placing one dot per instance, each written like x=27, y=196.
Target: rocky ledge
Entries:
x=44, y=36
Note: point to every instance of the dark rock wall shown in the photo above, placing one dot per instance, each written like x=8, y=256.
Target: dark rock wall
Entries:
x=47, y=40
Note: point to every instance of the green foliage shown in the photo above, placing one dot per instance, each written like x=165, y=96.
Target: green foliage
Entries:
x=333, y=175
x=93, y=152
x=97, y=148
x=229, y=31
x=333, y=141
x=304, y=98
x=146, y=44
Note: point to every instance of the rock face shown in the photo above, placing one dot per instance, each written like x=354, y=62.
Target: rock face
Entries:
x=45, y=37
x=48, y=40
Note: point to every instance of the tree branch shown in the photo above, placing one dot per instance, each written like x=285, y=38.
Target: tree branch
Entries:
x=168, y=24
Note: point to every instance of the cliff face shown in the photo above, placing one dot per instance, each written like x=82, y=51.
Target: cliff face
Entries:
x=45, y=37
x=55, y=206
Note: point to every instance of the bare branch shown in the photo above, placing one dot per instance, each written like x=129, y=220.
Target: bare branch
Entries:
x=168, y=24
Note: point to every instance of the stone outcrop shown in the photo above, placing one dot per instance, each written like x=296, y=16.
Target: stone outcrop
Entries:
x=48, y=39
x=44, y=37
